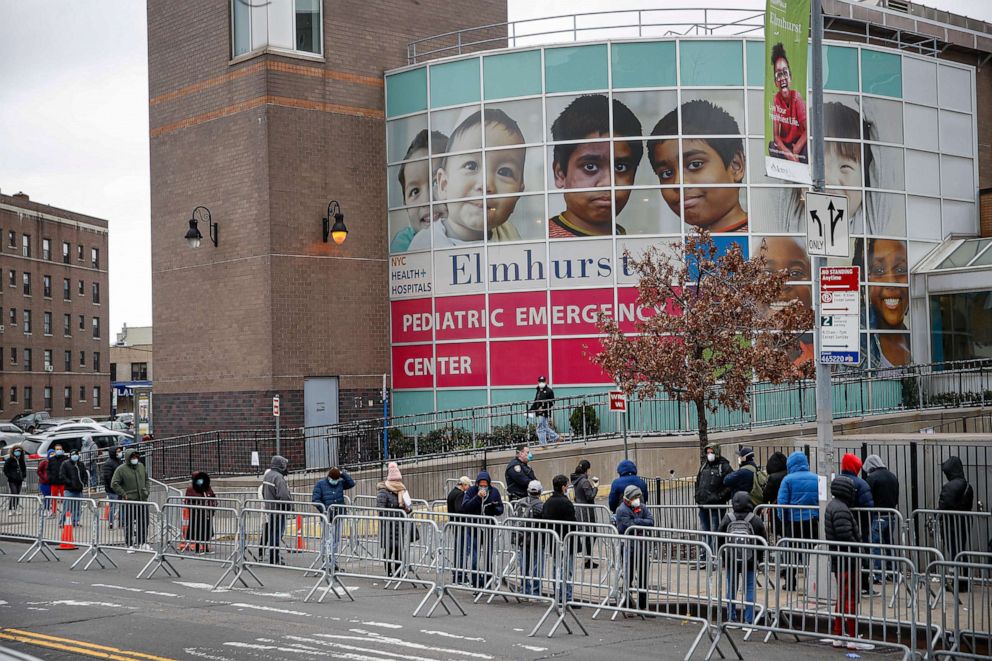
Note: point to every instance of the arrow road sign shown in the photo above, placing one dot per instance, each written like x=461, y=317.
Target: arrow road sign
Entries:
x=827, y=225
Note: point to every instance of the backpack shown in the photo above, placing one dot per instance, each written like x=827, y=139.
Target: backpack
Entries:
x=758, y=486
x=739, y=528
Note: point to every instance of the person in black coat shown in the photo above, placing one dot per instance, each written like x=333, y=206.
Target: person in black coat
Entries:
x=16, y=471
x=955, y=496
x=519, y=474
x=884, y=487
x=559, y=509
x=115, y=457
x=75, y=478
x=741, y=562
x=777, y=470
x=841, y=525
x=544, y=401
x=457, y=495
x=711, y=490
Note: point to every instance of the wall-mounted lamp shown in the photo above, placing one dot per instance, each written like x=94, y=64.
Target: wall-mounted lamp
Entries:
x=193, y=236
x=337, y=231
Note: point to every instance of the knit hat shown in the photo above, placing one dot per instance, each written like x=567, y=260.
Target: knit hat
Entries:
x=534, y=487
x=873, y=462
x=850, y=463
x=631, y=492
x=745, y=452
x=393, y=472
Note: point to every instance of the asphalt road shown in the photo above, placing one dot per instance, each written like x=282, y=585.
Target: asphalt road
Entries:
x=54, y=613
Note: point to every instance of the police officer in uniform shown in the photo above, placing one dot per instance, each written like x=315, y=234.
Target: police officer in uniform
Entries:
x=519, y=474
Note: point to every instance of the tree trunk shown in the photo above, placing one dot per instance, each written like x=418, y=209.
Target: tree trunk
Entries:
x=704, y=437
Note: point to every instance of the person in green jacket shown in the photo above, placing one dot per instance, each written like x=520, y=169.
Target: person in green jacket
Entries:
x=130, y=483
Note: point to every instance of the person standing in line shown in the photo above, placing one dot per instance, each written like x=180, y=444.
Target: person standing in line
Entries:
x=519, y=474
x=16, y=471
x=278, y=499
x=632, y=512
x=626, y=476
x=482, y=499
x=457, y=495
x=850, y=465
x=584, y=490
x=544, y=401
x=741, y=562
x=801, y=488
x=530, y=550
x=711, y=490
x=115, y=457
x=955, y=496
x=559, y=508
x=327, y=496
x=44, y=485
x=88, y=455
x=393, y=501
x=884, y=487
x=777, y=470
x=201, y=499
x=130, y=483
x=841, y=525
x=55, y=475
x=455, y=498
x=75, y=478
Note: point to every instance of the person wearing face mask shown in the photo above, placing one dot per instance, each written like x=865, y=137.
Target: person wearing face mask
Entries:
x=15, y=470
x=130, y=483
x=201, y=515
x=711, y=490
x=55, y=472
x=544, y=401
x=632, y=512
x=327, y=494
x=115, y=457
x=519, y=473
x=88, y=455
x=44, y=486
x=75, y=477
x=278, y=498
x=585, y=489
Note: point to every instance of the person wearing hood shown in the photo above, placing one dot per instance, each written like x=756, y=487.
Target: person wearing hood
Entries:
x=740, y=562
x=777, y=470
x=114, y=458
x=202, y=500
x=841, y=525
x=530, y=549
x=75, y=478
x=884, y=487
x=711, y=490
x=544, y=401
x=394, y=502
x=278, y=499
x=44, y=486
x=800, y=488
x=130, y=483
x=630, y=513
x=560, y=511
x=327, y=496
x=55, y=463
x=584, y=489
x=850, y=465
x=519, y=474
x=627, y=472
x=481, y=499
x=955, y=496
x=16, y=471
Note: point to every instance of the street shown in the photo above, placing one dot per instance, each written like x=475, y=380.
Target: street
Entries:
x=53, y=613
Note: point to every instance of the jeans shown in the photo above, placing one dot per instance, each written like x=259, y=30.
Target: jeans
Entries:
x=115, y=510
x=331, y=547
x=636, y=573
x=531, y=569
x=15, y=488
x=709, y=521
x=881, y=534
x=544, y=430
x=565, y=580
x=46, y=491
x=732, y=578
x=135, y=523
x=73, y=505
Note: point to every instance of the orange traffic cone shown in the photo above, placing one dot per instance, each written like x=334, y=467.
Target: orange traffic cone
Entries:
x=299, y=532
x=67, y=544
x=185, y=544
x=106, y=512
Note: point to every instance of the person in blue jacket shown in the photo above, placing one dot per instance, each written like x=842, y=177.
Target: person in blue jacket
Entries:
x=627, y=471
x=799, y=487
x=484, y=499
x=327, y=493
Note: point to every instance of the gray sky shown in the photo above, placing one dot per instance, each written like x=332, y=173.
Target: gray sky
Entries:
x=74, y=115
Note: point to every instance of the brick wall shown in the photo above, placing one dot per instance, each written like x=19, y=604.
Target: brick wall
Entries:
x=985, y=212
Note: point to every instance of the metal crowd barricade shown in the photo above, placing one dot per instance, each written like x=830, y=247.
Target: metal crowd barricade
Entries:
x=20, y=521
x=137, y=531
x=261, y=533
x=952, y=532
x=593, y=513
x=208, y=533
x=72, y=526
x=966, y=622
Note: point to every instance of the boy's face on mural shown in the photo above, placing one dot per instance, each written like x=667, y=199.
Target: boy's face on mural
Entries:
x=842, y=170
x=701, y=165
x=888, y=263
x=785, y=253
x=589, y=167
x=416, y=190
x=504, y=173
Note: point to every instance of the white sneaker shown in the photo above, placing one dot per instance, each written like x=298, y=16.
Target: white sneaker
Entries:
x=131, y=549
x=838, y=643
x=145, y=547
x=861, y=647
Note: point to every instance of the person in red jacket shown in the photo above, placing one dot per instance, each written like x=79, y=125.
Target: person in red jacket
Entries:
x=44, y=486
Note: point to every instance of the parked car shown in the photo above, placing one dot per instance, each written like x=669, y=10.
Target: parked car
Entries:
x=28, y=420
x=73, y=440
x=126, y=418
x=9, y=435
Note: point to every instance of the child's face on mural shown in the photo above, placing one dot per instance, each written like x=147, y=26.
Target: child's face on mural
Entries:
x=701, y=165
x=888, y=263
x=504, y=173
x=783, y=76
x=786, y=254
x=416, y=190
x=842, y=170
x=589, y=167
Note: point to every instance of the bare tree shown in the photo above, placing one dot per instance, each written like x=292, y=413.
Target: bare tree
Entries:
x=713, y=331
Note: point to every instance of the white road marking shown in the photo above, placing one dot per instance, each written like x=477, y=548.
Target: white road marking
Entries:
x=127, y=589
x=354, y=648
x=193, y=651
x=195, y=586
x=384, y=625
x=445, y=634
x=531, y=647
x=253, y=646
x=379, y=638
x=269, y=609
x=73, y=602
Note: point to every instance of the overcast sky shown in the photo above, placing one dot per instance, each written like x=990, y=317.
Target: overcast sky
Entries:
x=74, y=115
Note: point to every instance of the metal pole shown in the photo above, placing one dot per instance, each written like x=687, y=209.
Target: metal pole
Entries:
x=623, y=421
x=278, y=417
x=385, y=418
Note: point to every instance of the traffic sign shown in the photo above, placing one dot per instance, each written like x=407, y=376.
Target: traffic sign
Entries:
x=839, y=290
x=618, y=402
x=839, y=340
x=827, y=225
x=275, y=406
x=840, y=315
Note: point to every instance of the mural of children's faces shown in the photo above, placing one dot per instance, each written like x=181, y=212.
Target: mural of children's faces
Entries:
x=787, y=253
x=703, y=163
x=842, y=167
x=888, y=263
x=401, y=133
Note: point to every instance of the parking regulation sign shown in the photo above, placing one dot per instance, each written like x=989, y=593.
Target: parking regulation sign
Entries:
x=840, y=314
x=618, y=402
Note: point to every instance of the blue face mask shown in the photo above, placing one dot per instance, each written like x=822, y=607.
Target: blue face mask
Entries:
x=199, y=483
x=75, y=457
x=59, y=453
x=17, y=454
x=332, y=482
x=530, y=456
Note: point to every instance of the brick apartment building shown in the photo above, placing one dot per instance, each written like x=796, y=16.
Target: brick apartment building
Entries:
x=54, y=307
x=264, y=117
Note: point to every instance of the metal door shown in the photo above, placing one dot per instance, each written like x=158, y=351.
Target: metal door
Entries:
x=320, y=419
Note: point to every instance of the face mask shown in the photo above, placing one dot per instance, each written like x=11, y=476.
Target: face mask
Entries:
x=332, y=482
x=17, y=454
x=635, y=503
x=74, y=457
x=59, y=453
x=199, y=483
x=542, y=385
x=134, y=462
x=530, y=455
x=120, y=455
x=710, y=457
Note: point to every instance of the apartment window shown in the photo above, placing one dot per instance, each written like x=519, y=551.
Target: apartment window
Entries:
x=47, y=322
x=67, y=324
x=27, y=321
x=27, y=360
x=96, y=397
x=66, y=252
x=66, y=289
x=79, y=253
x=46, y=249
x=96, y=293
x=96, y=361
x=48, y=360
x=113, y=371
x=96, y=327
x=27, y=397
x=139, y=371
x=46, y=285
x=12, y=278
x=26, y=245
x=67, y=397
x=82, y=322
x=12, y=239
x=13, y=394
x=1, y=359
x=67, y=360
x=82, y=393
x=95, y=257
x=293, y=25
x=48, y=397
x=81, y=288
x=1, y=399
x=27, y=284
x=13, y=317
x=82, y=359
x=13, y=356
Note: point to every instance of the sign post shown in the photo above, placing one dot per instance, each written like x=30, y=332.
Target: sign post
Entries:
x=618, y=404
x=275, y=414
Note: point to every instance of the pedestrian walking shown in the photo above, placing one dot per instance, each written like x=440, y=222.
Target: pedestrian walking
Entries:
x=201, y=500
x=328, y=496
x=278, y=500
x=955, y=496
x=841, y=525
x=130, y=483
x=44, y=485
x=16, y=471
x=519, y=474
x=740, y=524
x=559, y=510
x=481, y=499
x=801, y=488
x=394, y=502
x=115, y=457
x=530, y=549
x=626, y=476
x=630, y=513
x=584, y=490
x=711, y=490
x=75, y=478
x=544, y=401
x=885, y=492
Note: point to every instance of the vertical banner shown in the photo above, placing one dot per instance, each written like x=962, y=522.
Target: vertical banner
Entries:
x=786, y=126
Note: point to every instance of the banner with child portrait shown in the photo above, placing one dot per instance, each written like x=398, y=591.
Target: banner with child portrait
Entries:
x=786, y=115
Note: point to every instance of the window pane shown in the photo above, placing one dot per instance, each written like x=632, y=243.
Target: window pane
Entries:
x=241, y=26
x=308, y=26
